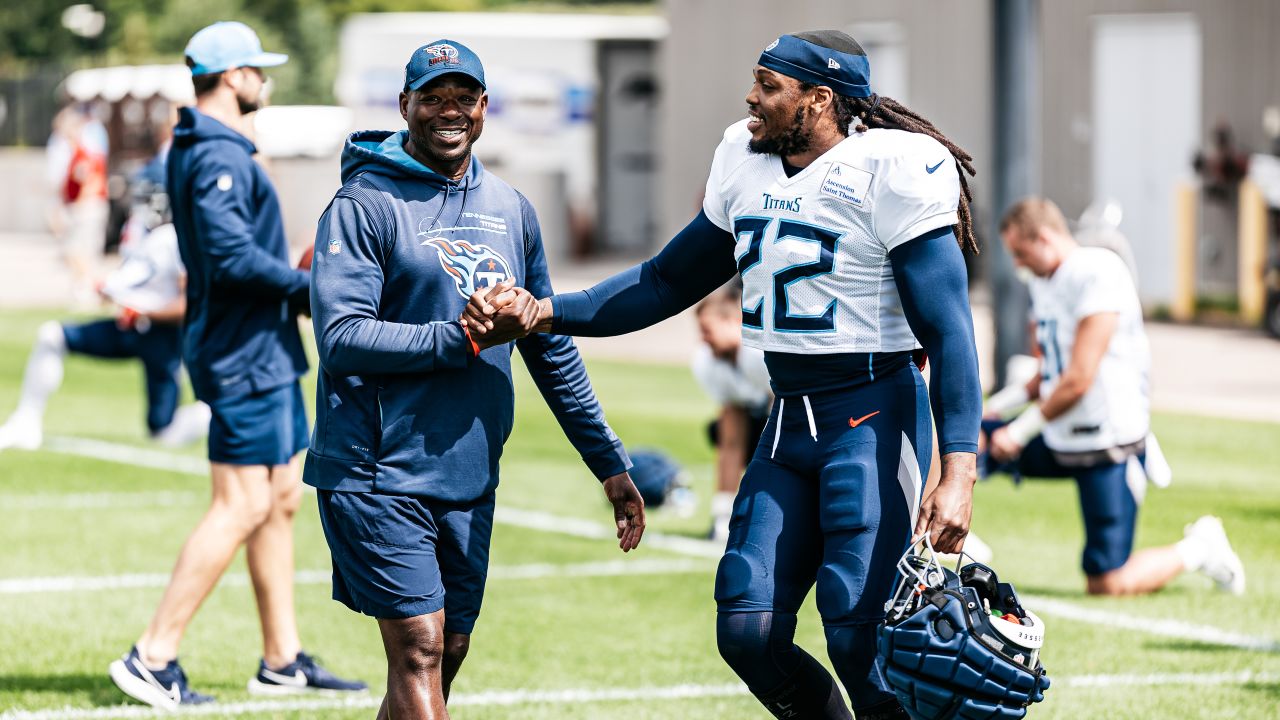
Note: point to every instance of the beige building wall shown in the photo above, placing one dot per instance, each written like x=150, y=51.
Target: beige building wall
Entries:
x=706, y=72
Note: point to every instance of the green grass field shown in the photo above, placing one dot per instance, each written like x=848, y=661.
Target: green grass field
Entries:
x=563, y=635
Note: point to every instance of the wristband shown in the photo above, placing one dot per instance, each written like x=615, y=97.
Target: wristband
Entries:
x=1008, y=398
x=471, y=343
x=1026, y=426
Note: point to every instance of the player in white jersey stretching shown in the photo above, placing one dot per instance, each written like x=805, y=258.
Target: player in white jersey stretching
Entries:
x=1091, y=421
x=147, y=291
x=845, y=214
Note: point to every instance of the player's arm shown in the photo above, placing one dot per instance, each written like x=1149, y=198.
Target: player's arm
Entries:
x=1093, y=335
x=695, y=262
x=558, y=371
x=345, y=297
x=930, y=275
x=176, y=311
x=222, y=204
x=699, y=259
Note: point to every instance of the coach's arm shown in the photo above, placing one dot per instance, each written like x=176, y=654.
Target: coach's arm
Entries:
x=345, y=297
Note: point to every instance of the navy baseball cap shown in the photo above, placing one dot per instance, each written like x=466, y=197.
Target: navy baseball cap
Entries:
x=225, y=45
x=441, y=57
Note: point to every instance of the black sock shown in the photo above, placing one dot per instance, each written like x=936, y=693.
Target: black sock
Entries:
x=809, y=694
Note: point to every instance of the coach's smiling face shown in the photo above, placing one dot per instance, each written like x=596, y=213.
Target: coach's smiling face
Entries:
x=445, y=118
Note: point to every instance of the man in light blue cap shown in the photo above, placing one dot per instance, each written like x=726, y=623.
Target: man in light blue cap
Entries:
x=244, y=355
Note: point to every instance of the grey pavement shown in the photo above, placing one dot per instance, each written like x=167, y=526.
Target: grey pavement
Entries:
x=1218, y=372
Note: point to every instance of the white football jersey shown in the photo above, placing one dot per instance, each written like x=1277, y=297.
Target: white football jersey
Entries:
x=150, y=274
x=813, y=249
x=744, y=383
x=1115, y=409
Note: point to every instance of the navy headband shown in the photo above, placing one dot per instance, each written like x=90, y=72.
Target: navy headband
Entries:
x=848, y=75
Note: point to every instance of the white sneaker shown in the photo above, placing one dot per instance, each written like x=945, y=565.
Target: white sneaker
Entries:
x=190, y=423
x=21, y=434
x=1222, y=565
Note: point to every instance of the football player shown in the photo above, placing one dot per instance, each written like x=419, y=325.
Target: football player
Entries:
x=1090, y=419
x=845, y=213
x=734, y=375
x=147, y=290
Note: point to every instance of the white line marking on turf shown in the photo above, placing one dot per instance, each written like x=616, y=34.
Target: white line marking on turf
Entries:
x=532, y=571
x=1244, y=677
x=546, y=522
x=1152, y=626
x=84, y=501
x=126, y=455
x=580, y=696
x=576, y=527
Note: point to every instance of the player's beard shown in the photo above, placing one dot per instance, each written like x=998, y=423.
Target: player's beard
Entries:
x=794, y=140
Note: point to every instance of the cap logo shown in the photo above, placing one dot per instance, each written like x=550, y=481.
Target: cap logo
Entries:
x=831, y=63
x=442, y=54
x=772, y=45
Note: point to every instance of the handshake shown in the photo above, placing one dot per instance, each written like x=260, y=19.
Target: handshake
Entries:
x=503, y=313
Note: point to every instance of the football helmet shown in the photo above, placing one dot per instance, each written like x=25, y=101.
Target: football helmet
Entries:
x=958, y=644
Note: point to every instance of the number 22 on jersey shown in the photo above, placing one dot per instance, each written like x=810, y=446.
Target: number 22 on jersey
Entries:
x=752, y=232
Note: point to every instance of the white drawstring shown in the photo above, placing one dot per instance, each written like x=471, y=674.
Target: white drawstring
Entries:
x=808, y=410
x=777, y=430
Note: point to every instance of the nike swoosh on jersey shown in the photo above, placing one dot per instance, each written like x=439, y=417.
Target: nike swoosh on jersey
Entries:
x=297, y=679
x=935, y=167
x=855, y=423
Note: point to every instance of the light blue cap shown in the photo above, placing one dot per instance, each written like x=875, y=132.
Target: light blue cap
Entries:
x=225, y=45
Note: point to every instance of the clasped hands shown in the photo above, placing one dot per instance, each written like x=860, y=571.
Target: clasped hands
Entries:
x=503, y=313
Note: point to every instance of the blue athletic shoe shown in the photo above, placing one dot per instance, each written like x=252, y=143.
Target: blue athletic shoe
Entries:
x=166, y=689
x=303, y=675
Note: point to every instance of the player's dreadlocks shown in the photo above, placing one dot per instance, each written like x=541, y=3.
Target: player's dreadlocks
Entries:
x=878, y=111
x=884, y=112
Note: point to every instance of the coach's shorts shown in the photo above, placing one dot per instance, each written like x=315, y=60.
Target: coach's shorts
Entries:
x=398, y=556
x=263, y=428
x=159, y=349
x=1107, y=504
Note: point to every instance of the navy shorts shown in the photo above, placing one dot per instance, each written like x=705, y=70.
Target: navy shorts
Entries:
x=159, y=349
x=835, y=511
x=263, y=428
x=1110, y=511
x=399, y=556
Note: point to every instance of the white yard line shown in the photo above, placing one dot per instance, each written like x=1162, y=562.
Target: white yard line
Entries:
x=589, y=529
x=532, y=571
x=127, y=455
x=1151, y=626
x=576, y=527
x=576, y=696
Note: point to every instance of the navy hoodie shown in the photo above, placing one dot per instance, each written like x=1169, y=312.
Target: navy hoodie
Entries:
x=403, y=405
x=240, y=335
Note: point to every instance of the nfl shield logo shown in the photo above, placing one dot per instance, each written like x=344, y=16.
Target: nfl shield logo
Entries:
x=334, y=246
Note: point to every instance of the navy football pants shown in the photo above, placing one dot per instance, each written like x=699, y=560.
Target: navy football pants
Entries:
x=159, y=349
x=829, y=499
x=1109, y=509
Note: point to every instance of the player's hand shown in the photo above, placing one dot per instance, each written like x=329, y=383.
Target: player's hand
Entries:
x=485, y=303
x=1003, y=447
x=628, y=510
x=945, y=512
x=515, y=315
x=129, y=319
